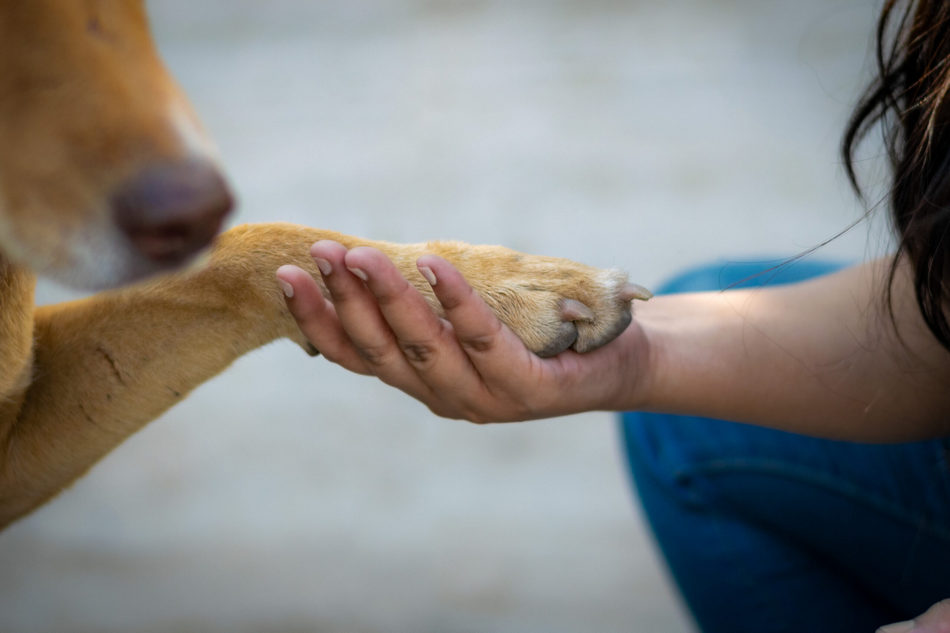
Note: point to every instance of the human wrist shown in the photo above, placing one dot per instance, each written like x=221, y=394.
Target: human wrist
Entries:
x=676, y=359
x=629, y=379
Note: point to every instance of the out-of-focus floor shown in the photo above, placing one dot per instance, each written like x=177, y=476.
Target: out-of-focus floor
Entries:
x=288, y=495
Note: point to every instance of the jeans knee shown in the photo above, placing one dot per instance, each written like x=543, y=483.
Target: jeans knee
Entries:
x=658, y=456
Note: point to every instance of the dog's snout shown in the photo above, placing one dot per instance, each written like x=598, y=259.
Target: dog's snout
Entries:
x=172, y=211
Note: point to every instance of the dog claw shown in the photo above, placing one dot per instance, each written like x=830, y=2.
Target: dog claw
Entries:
x=635, y=291
x=573, y=310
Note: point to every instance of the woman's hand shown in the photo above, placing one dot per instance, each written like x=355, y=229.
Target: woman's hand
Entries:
x=467, y=365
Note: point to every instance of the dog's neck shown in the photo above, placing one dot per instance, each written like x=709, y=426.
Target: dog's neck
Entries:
x=16, y=328
x=16, y=285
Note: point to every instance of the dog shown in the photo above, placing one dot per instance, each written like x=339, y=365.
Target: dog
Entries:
x=108, y=182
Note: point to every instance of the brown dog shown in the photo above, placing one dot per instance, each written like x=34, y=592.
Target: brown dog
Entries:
x=106, y=179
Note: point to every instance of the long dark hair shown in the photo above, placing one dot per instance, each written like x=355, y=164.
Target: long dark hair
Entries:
x=910, y=101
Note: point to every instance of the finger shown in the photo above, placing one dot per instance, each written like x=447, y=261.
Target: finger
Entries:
x=360, y=317
x=316, y=318
x=427, y=342
x=497, y=354
x=356, y=307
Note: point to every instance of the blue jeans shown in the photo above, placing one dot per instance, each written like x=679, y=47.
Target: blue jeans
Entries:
x=770, y=532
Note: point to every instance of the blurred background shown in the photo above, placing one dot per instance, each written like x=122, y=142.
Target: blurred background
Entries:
x=287, y=495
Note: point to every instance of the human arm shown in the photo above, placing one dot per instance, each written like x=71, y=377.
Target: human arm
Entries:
x=819, y=357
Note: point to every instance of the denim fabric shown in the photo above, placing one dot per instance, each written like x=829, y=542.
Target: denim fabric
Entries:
x=770, y=532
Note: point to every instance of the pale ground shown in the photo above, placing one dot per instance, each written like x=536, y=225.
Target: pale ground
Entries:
x=289, y=496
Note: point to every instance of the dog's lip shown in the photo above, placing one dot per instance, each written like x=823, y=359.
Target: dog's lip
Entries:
x=176, y=246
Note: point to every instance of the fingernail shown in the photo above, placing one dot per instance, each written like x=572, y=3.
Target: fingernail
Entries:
x=359, y=273
x=428, y=274
x=323, y=265
x=898, y=627
x=287, y=288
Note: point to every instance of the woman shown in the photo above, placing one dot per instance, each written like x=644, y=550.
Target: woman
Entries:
x=765, y=526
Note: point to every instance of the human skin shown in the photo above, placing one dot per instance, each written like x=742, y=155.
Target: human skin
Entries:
x=821, y=357
x=935, y=620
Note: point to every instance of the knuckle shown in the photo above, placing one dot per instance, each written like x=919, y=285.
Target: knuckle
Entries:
x=376, y=355
x=419, y=353
x=479, y=342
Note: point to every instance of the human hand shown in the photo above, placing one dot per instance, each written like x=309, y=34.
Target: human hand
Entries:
x=935, y=620
x=467, y=365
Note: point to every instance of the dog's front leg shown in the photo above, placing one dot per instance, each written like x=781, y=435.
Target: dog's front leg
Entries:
x=105, y=366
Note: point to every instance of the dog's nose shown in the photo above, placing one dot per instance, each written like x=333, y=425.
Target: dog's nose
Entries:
x=172, y=211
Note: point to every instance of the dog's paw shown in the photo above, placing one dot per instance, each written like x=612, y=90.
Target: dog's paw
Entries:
x=551, y=304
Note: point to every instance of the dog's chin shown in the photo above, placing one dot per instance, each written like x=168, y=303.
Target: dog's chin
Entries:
x=111, y=266
x=96, y=257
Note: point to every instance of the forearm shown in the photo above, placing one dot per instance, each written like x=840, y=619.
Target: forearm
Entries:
x=819, y=357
